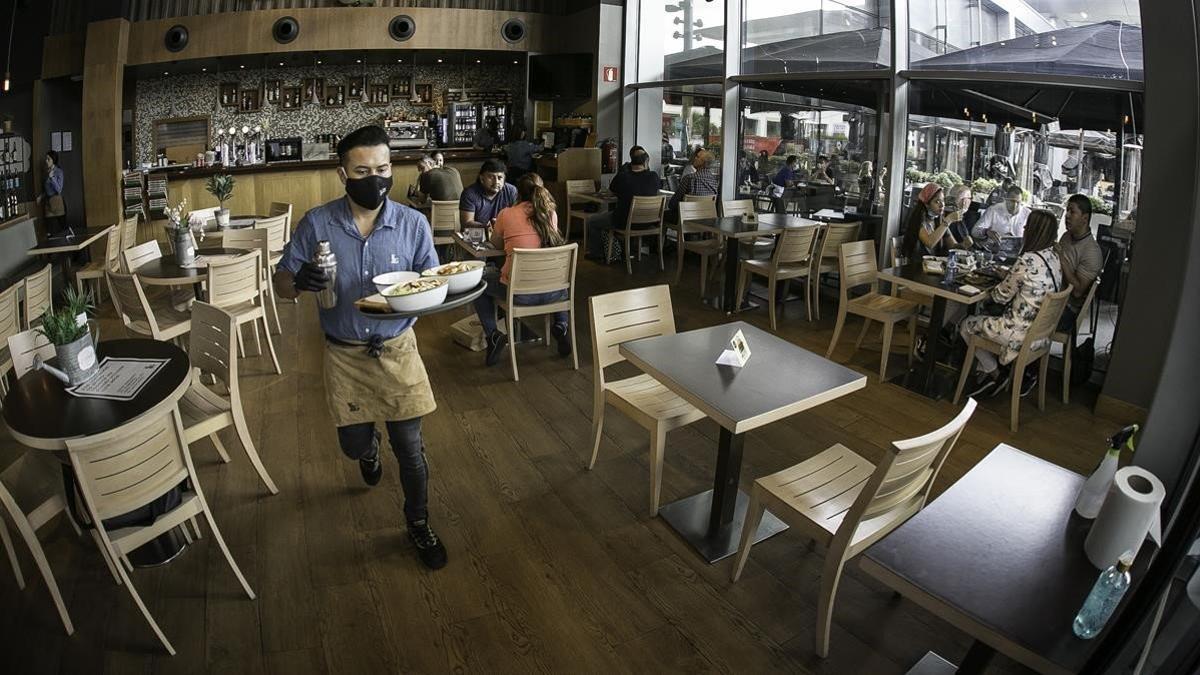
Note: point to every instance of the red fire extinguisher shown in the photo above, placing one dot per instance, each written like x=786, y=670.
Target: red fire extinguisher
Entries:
x=608, y=154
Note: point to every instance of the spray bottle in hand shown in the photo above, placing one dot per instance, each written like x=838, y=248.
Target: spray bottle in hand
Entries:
x=1095, y=489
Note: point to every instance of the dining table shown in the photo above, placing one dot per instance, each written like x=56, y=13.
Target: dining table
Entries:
x=64, y=244
x=779, y=380
x=478, y=250
x=239, y=222
x=164, y=271
x=735, y=230
x=602, y=197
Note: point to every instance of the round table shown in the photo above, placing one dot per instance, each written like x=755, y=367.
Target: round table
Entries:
x=235, y=223
x=165, y=271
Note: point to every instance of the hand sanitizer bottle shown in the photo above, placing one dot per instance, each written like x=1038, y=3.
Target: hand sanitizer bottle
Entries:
x=1095, y=489
x=1104, y=598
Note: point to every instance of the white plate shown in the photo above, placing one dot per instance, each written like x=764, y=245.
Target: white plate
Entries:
x=385, y=281
x=462, y=281
x=416, y=301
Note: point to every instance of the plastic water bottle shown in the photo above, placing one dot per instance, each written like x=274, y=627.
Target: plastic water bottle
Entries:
x=1104, y=598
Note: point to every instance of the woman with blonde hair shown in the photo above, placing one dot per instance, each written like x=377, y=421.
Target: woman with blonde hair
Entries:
x=530, y=223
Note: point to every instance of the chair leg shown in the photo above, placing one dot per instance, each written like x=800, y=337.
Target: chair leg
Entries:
x=743, y=278
x=754, y=515
x=12, y=554
x=195, y=528
x=658, y=445
x=137, y=600
x=241, y=342
x=546, y=330
x=888, y=326
x=629, y=257
x=912, y=338
x=270, y=293
x=679, y=258
x=968, y=364
x=216, y=441
x=512, y=344
x=243, y=434
x=270, y=344
x=1066, y=374
x=771, y=299
x=703, y=275
x=837, y=330
x=861, y=335
x=1015, y=397
x=108, y=561
x=808, y=308
x=831, y=576
x=254, y=328
x=237, y=572
x=662, y=237
x=597, y=427
x=574, y=349
x=1043, y=371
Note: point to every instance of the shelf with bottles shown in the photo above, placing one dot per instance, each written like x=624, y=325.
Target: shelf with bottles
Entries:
x=335, y=96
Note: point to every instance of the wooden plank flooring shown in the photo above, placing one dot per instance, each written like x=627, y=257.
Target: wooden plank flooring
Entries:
x=552, y=568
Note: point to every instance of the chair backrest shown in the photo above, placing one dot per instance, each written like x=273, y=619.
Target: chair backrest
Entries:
x=856, y=265
x=627, y=315
x=543, y=270
x=1087, y=304
x=204, y=215
x=130, y=299
x=140, y=255
x=23, y=346
x=696, y=210
x=112, y=251
x=283, y=209
x=1043, y=326
x=124, y=469
x=38, y=295
x=276, y=227
x=834, y=236
x=129, y=232
x=212, y=344
x=251, y=239
x=795, y=244
x=737, y=207
x=646, y=211
x=581, y=185
x=10, y=314
x=234, y=281
x=701, y=198
x=443, y=217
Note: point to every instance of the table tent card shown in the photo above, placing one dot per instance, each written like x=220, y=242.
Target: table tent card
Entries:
x=738, y=353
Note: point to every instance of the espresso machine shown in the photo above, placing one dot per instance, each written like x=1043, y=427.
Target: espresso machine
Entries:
x=405, y=135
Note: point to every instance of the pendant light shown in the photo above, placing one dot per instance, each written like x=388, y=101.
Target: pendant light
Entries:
x=314, y=99
x=8, y=60
x=364, y=95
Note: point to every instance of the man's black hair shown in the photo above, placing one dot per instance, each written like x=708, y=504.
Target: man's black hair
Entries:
x=791, y=159
x=363, y=137
x=53, y=156
x=1081, y=202
x=492, y=166
x=635, y=150
x=638, y=158
x=1014, y=190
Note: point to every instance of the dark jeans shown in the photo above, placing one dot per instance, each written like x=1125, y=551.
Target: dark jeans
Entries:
x=358, y=442
x=596, y=227
x=485, y=305
x=1066, y=323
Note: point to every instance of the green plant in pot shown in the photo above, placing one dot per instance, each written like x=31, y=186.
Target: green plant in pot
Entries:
x=67, y=329
x=220, y=185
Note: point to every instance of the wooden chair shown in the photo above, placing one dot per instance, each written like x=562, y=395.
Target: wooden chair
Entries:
x=25, y=347
x=832, y=238
x=206, y=216
x=620, y=317
x=124, y=469
x=158, y=319
x=705, y=247
x=845, y=503
x=236, y=286
x=212, y=350
x=94, y=271
x=1035, y=348
x=443, y=219
x=139, y=255
x=129, y=233
x=10, y=325
x=252, y=239
x=647, y=214
x=856, y=267
x=541, y=270
x=283, y=209
x=38, y=298
x=277, y=237
x=792, y=259
x=575, y=187
x=1067, y=339
x=902, y=291
x=737, y=207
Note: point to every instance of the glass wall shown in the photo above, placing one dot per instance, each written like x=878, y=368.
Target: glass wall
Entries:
x=788, y=36
x=681, y=39
x=691, y=118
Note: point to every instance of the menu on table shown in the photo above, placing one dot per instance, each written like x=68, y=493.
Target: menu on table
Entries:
x=119, y=379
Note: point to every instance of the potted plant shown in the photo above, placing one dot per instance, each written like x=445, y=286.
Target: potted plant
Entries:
x=220, y=185
x=67, y=329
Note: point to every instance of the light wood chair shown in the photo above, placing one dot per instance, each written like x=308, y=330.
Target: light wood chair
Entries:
x=541, y=270
x=206, y=216
x=277, y=237
x=38, y=298
x=844, y=502
x=443, y=219
x=212, y=350
x=1035, y=348
x=791, y=259
x=283, y=209
x=832, y=238
x=574, y=213
x=252, y=239
x=737, y=207
x=25, y=348
x=902, y=291
x=10, y=325
x=124, y=469
x=856, y=267
x=129, y=233
x=1067, y=339
x=136, y=256
x=236, y=286
x=156, y=319
x=705, y=247
x=620, y=317
x=133, y=258
x=94, y=271
x=647, y=214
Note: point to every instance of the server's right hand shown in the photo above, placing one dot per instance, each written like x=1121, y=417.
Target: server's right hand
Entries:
x=311, y=278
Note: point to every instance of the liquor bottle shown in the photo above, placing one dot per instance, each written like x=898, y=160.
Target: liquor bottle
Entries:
x=1103, y=600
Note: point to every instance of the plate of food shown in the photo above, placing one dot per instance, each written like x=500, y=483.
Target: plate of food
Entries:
x=415, y=294
x=462, y=276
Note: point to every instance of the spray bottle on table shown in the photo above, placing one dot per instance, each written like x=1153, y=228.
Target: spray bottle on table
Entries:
x=1092, y=494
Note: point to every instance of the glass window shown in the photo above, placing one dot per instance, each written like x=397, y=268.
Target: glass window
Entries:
x=1062, y=37
x=784, y=36
x=680, y=39
x=691, y=118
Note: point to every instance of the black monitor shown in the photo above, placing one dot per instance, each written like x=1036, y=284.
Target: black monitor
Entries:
x=560, y=76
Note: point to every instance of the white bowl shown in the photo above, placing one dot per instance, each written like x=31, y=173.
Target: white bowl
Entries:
x=421, y=299
x=460, y=282
x=390, y=279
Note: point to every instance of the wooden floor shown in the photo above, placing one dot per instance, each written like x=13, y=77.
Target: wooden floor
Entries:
x=552, y=568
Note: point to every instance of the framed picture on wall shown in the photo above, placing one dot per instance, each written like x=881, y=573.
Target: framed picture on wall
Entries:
x=423, y=93
x=356, y=86
x=402, y=86
x=289, y=98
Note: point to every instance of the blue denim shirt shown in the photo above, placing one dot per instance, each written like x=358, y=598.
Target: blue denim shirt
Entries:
x=401, y=241
x=54, y=182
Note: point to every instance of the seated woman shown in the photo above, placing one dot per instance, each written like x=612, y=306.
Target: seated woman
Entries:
x=926, y=233
x=1036, y=273
x=530, y=223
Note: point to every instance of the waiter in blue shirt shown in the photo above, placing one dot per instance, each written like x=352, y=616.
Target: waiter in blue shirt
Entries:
x=373, y=370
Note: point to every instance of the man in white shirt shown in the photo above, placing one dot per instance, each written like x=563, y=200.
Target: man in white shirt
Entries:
x=1006, y=219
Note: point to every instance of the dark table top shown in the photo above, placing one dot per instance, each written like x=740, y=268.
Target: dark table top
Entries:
x=79, y=240
x=914, y=276
x=779, y=380
x=1000, y=556
x=165, y=269
x=766, y=223
x=41, y=414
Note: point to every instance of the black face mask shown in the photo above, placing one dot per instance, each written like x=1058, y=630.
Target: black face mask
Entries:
x=368, y=192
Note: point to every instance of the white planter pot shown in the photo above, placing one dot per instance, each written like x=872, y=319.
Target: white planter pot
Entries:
x=222, y=217
x=77, y=360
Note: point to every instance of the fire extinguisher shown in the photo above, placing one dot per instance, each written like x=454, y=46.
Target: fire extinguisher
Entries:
x=608, y=151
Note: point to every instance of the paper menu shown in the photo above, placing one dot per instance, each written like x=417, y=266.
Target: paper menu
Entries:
x=119, y=379
x=738, y=353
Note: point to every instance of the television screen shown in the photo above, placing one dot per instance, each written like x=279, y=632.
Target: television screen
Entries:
x=560, y=76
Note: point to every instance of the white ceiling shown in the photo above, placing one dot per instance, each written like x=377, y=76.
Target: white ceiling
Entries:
x=1071, y=12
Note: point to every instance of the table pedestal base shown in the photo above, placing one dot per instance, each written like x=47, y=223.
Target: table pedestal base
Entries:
x=975, y=662
x=159, y=551
x=690, y=516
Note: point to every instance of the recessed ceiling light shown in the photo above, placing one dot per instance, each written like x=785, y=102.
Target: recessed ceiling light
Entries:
x=358, y=60
x=516, y=62
x=281, y=63
x=318, y=63
x=204, y=70
x=399, y=60
x=477, y=61
x=243, y=67
x=439, y=60
x=165, y=73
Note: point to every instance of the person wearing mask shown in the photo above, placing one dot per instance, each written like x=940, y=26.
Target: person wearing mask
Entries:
x=637, y=149
x=1006, y=219
x=436, y=183
x=961, y=214
x=1081, y=257
x=820, y=174
x=484, y=199
x=784, y=179
x=702, y=182
x=530, y=223
x=520, y=154
x=372, y=370
x=926, y=232
x=51, y=199
x=1037, y=273
x=639, y=181
x=997, y=194
x=488, y=135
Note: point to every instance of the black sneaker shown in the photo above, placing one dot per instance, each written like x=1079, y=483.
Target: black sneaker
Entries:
x=564, y=342
x=495, y=346
x=370, y=465
x=1028, y=384
x=919, y=352
x=984, y=384
x=1002, y=382
x=429, y=548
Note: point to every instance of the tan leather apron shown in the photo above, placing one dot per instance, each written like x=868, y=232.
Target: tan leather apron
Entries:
x=361, y=388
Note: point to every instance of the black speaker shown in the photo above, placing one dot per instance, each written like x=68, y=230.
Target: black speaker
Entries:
x=176, y=38
x=402, y=27
x=285, y=30
x=513, y=30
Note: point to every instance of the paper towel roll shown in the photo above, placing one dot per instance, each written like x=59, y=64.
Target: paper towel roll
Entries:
x=1130, y=511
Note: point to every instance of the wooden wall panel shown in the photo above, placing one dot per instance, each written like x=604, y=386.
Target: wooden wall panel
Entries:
x=62, y=55
x=103, y=81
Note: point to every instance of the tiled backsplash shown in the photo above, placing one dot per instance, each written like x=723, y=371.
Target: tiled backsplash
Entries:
x=196, y=94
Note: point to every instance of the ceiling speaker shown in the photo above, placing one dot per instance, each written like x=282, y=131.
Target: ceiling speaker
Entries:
x=285, y=30
x=402, y=27
x=176, y=38
x=513, y=30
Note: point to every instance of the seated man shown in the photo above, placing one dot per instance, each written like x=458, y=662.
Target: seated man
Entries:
x=1080, y=256
x=520, y=154
x=1006, y=219
x=820, y=174
x=632, y=151
x=962, y=214
x=703, y=182
x=784, y=178
x=436, y=183
x=487, y=196
x=639, y=181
